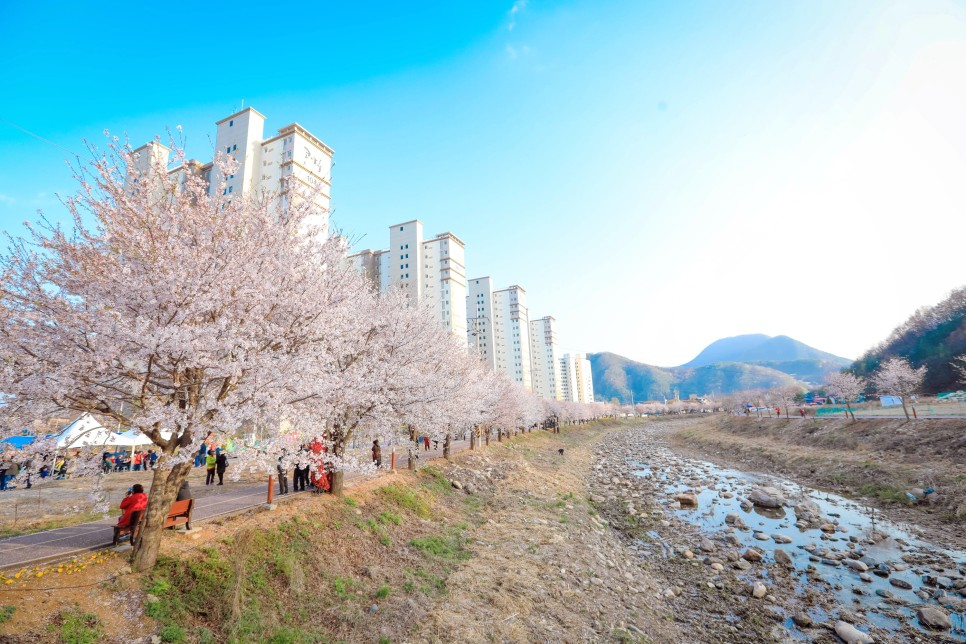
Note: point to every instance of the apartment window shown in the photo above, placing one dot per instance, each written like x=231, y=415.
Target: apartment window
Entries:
x=228, y=150
x=234, y=147
x=230, y=188
x=407, y=245
x=407, y=276
x=231, y=123
x=400, y=229
x=400, y=267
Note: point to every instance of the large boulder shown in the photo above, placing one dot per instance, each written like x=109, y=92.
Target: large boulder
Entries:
x=935, y=618
x=767, y=497
x=687, y=500
x=851, y=635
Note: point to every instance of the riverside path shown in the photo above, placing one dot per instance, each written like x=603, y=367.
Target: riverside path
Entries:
x=51, y=545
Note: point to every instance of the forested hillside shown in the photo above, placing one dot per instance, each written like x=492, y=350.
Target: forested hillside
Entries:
x=932, y=336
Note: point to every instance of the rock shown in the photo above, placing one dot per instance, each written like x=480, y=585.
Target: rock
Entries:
x=741, y=564
x=827, y=527
x=752, y=555
x=867, y=578
x=758, y=590
x=783, y=558
x=150, y=599
x=900, y=583
x=802, y=620
x=687, y=500
x=374, y=608
x=767, y=497
x=935, y=618
x=856, y=565
x=761, y=536
x=707, y=545
x=780, y=538
x=851, y=635
x=731, y=519
x=688, y=554
x=717, y=567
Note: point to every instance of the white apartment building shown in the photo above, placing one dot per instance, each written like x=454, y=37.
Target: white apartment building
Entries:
x=479, y=319
x=511, y=334
x=427, y=270
x=293, y=157
x=545, y=358
x=576, y=379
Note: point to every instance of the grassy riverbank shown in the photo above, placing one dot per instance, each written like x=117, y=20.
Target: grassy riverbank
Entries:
x=515, y=552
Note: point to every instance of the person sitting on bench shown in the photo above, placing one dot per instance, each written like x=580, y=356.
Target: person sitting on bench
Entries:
x=135, y=501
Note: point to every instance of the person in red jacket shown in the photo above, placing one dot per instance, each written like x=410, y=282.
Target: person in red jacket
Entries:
x=135, y=501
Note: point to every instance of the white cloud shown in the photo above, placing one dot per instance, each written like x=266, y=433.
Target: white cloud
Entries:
x=517, y=7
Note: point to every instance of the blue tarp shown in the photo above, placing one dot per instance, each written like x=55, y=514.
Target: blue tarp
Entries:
x=19, y=441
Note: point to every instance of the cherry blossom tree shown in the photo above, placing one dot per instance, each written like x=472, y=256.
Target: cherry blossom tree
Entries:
x=896, y=377
x=172, y=311
x=847, y=387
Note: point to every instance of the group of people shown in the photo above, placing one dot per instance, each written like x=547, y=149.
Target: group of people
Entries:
x=301, y=479
x=124, y=462
x=216, y=462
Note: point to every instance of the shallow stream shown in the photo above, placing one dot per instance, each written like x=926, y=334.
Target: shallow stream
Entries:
x=935, y=576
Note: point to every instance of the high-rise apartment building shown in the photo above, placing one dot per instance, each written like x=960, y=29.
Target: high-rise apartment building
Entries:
x=511, y=334
x=293, y=161
x=576, y=379
x=545, y=361
x=426, y=270
x=479, y=319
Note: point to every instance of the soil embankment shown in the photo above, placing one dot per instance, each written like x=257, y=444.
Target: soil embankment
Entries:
x=877, y=461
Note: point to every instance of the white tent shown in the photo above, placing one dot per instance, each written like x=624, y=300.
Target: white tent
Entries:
x=138, y=439
x=87, y=432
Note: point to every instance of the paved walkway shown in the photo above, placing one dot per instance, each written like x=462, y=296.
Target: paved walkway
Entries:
x=49, y=545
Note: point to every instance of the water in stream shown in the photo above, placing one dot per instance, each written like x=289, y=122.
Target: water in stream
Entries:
x=904, y=572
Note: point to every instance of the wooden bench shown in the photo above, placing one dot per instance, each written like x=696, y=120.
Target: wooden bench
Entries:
x=180, y=514
x=131, y=528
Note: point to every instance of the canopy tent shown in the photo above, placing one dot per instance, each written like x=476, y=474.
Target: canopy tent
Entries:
x=87, y=432
x=138, y=439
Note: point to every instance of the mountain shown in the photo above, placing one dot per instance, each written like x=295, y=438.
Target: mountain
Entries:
x=758, y=348
x=754, y=361
x=619, y=377
x=932, y=336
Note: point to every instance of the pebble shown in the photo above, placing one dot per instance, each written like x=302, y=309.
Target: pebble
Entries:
x=758, y=590
x=802, y=620
x=900, y=583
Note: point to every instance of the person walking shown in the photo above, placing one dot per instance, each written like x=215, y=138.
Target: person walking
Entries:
x=426, y=443
x=221, y=464
x=376, y=453
x=282, y=470
x=210, y=463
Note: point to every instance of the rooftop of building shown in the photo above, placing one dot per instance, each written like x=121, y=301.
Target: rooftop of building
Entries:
x=239, y=113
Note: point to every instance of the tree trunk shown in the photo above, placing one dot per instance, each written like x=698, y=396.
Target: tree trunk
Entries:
x=446, y=446
x=338, y=479
x=164, y=489
x=904, y=410
x=473, y=439
x=851, y=413
x=412, y=458
x=488, y=435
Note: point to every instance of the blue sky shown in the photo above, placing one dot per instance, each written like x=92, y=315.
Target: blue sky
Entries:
x=656, y=174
